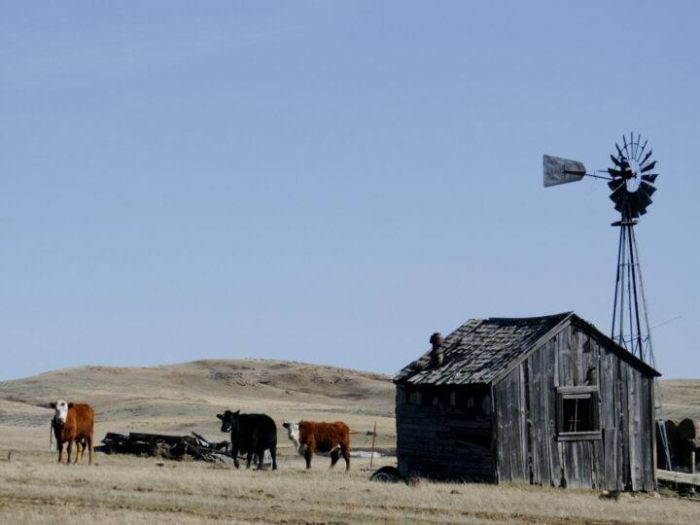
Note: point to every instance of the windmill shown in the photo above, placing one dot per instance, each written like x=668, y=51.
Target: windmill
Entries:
x=632, y=182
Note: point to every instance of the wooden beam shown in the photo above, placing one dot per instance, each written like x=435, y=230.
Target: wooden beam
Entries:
x=678, y=477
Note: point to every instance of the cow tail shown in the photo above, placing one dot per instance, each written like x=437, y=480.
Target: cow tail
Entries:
x=51, y=435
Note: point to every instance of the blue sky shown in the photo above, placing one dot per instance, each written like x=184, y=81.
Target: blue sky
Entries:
x=331, y=182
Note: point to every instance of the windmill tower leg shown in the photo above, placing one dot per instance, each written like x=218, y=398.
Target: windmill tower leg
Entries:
x=630, y=324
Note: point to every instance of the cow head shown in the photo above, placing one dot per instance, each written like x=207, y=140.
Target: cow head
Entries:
x=292, y=432
x=229, y=420
x=60, y=410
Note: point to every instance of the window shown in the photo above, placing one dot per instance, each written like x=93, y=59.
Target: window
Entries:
x=578, y=413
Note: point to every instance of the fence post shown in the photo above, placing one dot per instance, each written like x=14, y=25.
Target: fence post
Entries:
x=371, y=454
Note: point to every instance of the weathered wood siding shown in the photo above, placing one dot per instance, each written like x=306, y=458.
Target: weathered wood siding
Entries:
x=526, y=412
x=440, y=437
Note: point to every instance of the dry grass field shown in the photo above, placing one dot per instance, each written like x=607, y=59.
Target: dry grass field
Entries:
x=122, y=489
x=681, y=398
x=184, y=398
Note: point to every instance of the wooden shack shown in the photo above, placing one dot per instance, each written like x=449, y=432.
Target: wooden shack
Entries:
x=541, y=400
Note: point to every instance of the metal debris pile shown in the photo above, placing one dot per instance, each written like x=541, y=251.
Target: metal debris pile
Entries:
x=192, y=446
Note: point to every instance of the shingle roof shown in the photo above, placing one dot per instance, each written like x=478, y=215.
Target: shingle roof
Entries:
x=479, y=350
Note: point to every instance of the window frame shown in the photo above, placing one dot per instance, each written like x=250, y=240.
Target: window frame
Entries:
x=578, y=392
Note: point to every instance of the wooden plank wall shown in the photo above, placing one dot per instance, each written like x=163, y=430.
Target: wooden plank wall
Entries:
x=613, y=451
x=525, y=404
x=442, y=443
x=508, y=403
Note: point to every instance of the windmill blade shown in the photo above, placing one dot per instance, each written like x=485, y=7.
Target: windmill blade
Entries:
x=615, y=184
x=647, y=188
x=557, y=170
x=641, y=200
x=619, y=151
x=649, y=167
x=650, y=178
x=618, y=195
x=646, y=157
x=634, y=208
x=619, y=173
x=619, y=163
x=634, y=201
x=639, y=210
x=643, y=148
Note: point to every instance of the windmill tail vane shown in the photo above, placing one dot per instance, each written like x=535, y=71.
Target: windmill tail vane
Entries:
x=558, y=170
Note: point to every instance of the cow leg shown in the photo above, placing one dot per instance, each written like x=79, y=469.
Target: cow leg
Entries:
x=79, y=448
x=83, y=446
x=335, y=454
x=249, y=458
x=346, y=457
x=273, y=453
x=89, y=444
x=307, y=456
x=234, y=453
x=68, y=450
x=260, y=456
x=59, y=446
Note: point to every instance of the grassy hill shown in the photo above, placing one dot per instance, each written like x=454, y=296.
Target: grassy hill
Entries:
x=681, y=398
x=186, y=397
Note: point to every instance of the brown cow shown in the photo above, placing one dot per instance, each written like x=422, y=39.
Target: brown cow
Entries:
x=312, y=436
x=73, y=423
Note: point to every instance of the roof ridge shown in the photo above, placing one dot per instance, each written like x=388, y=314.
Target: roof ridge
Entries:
x=563, y=315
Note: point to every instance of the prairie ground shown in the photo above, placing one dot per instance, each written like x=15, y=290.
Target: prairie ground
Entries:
x=185, y=398
x=122, y=489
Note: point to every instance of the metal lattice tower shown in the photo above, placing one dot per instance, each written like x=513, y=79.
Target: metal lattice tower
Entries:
x=632, y=185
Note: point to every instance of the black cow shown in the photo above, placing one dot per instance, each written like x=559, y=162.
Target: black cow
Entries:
x=251, y=434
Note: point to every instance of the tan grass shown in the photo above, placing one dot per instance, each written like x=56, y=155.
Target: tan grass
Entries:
x=121, y=489
x=681, y=398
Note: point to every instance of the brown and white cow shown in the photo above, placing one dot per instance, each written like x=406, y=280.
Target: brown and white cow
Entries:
x=73, y=423
x=314, y=436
